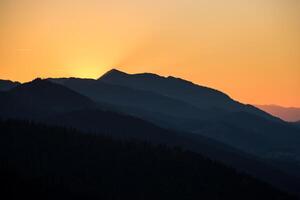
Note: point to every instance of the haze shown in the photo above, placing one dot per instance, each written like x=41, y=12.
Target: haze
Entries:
x=246, y=48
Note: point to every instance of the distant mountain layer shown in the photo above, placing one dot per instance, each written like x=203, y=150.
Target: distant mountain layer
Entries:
x=288, y=114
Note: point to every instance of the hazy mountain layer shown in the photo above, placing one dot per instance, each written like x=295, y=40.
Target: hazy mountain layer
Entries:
x=287, y=114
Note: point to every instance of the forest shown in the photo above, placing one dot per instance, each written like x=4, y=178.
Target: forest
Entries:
x=46, y=162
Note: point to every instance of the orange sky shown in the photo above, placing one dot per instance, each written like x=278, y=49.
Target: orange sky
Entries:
x=246, y=48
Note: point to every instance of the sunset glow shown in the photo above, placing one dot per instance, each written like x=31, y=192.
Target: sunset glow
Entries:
x=249, y=49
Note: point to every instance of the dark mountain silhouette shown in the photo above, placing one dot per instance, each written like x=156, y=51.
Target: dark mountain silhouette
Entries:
x=199, y=96
x=41, y=162
x=126, y=97
x=40, y=98
x=159, y=109
x=6, y=85
x=172, y=87
x=290, y=114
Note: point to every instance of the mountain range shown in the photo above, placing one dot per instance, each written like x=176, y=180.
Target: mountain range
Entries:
x=164, y=110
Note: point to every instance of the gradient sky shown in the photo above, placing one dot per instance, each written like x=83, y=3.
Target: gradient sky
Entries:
x=249, y=49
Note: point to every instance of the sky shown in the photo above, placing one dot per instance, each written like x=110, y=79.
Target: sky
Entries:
x=249, y=49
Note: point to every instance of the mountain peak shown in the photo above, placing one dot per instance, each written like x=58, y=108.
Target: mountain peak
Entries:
x=37, y=80
x=113, y=72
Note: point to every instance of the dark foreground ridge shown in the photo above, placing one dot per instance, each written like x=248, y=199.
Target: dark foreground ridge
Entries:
x=42, y=162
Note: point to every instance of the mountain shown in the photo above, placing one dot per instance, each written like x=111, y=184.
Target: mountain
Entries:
x=96, y=105
x=242, y=126
x=6, y=85
x=42, y=162
x=50, y=103
x=183, y=106
x=128, y=97
x=176, y=88
x=288, y=114
x=40, y=98
x=171, y=87
x=159, y=109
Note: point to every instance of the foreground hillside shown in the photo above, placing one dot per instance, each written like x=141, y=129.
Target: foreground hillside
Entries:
x=41, y=162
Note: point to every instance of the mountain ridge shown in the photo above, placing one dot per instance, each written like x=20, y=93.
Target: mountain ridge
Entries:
x=177, y=88
x=120, y=74
x=6, y=85
x=40, y=97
